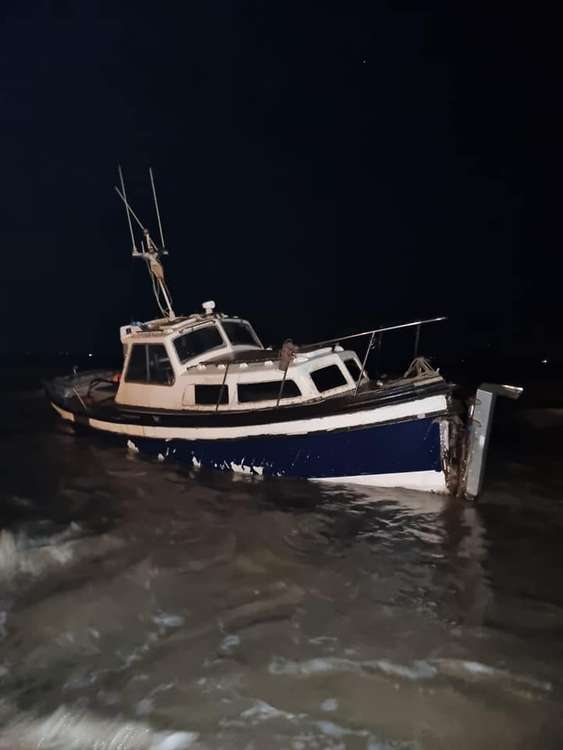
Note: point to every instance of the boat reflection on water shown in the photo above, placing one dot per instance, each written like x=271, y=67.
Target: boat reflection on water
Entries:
x=450, y=531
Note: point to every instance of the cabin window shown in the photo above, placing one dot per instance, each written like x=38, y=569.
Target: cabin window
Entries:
x=160, y=369
x=210, y=394
x=137, y=368
x=328, y=377
x=239, y=333
x=149, y=363
x=269, y=391
x=353, y=369
x=197, y=342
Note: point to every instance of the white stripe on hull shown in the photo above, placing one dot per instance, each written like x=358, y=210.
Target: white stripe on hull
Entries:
x=68, y=415
x=428, y=481
x=417, y=409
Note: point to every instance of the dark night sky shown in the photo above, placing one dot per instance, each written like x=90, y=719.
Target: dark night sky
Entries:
x=321, y=166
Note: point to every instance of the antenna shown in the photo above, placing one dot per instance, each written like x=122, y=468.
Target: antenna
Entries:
x=127, y=207
x=130, y=212
x=156, y=207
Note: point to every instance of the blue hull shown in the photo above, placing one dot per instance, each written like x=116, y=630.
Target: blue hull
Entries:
x=401, y=447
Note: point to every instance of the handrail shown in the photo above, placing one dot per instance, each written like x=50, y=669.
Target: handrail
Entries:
x=222, y=388
x=374, y=331
x=269, y=354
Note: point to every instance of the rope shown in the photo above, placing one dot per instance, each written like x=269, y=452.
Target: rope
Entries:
x=156, y=290
x=418, y=367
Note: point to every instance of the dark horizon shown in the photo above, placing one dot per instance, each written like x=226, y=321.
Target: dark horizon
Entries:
x=319, y=170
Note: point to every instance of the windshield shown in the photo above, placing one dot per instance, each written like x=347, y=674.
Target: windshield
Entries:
x=239, y=333
x=197, y=342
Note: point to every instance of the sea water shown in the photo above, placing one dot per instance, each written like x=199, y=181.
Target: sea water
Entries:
x=145, y=605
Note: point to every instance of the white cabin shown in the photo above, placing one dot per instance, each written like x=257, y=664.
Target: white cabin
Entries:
x=215, y=362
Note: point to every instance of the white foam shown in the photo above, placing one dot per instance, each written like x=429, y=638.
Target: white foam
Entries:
x=413, y=671
x=419, y=670
x=176, y=741
x=262, y=711
x=70, y=729
x=314, y=666
x=230, y=642
x=20, y=556
x=477, y=668
x=334, y=730
x=168, y=621
x=329, y=704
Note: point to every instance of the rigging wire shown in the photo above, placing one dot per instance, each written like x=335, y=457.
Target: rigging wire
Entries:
x=160, y=288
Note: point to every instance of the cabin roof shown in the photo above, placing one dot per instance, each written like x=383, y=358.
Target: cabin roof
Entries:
x=251, y=356
x=165, y=326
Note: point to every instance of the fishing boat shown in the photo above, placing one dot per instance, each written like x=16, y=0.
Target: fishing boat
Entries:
x=204, y=390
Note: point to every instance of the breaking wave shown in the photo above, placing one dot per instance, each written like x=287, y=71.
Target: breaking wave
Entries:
x=75, y=729
x=22, y=556
x=457, y=669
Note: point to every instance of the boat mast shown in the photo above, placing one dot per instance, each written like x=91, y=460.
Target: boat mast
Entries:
x=150, y=252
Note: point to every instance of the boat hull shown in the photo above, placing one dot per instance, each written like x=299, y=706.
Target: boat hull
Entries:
x=406, y=453
x=386, y=446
